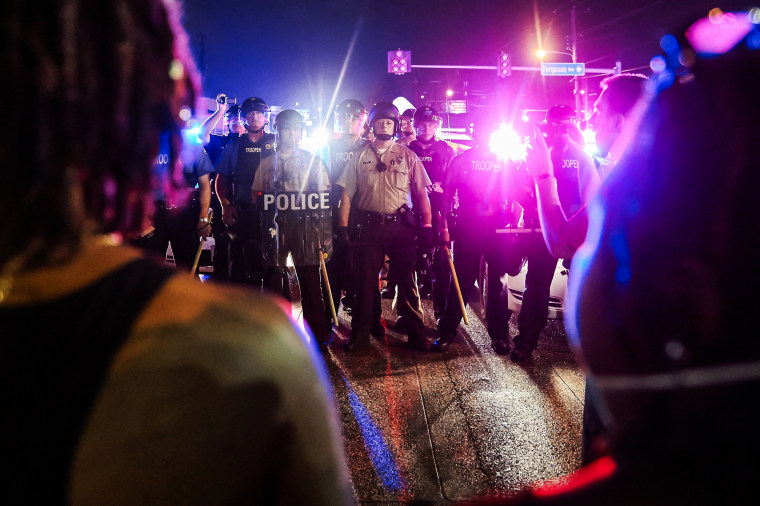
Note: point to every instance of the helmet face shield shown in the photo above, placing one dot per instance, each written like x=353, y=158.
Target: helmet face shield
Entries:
x=288, y=128
x=348, y=123
x=349, y=117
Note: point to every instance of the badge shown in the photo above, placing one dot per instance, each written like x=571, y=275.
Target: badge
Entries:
x=393, y=162
x=399, y=159
x=268, y=146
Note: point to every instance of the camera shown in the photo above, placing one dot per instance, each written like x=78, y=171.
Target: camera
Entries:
x=222, y=99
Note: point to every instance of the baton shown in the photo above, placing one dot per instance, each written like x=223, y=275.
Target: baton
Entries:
x=327, y=283
x=200, y=247
x=456, y=283
x=517, y=230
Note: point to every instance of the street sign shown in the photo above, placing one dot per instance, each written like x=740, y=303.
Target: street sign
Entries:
x=563, y=69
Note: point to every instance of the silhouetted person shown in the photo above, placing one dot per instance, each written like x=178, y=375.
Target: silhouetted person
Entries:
x=125, y=382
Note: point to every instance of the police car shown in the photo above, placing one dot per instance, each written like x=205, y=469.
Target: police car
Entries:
x=515, y=286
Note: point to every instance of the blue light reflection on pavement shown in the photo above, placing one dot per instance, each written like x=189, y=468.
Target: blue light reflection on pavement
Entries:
x=379, y=454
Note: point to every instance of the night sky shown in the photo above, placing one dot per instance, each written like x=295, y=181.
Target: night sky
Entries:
x=290, y=52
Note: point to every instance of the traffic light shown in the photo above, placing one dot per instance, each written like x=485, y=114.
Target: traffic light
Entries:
x=504, y=64
x=399, y=62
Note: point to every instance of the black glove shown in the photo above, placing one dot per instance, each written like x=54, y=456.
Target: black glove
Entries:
x=426, y=238
x=341, y=236
x=423, y=260
x=425, y=248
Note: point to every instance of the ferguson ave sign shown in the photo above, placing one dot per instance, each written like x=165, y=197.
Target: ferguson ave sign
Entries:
x=563, y=69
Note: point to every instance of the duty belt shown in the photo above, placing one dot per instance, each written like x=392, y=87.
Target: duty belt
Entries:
x=373, y=218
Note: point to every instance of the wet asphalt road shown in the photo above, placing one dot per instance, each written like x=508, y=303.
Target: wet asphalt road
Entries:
x=442, y=427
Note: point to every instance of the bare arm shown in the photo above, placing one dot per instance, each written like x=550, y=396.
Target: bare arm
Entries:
x=208, y=126
x=344, y=209
x=223, y=192
x=562, y=236
x=424, y=203
x=204, y=196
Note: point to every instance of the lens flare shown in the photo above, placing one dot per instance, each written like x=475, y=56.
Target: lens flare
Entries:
x=589, y=139
x=506, y=144
x=658, y=64
x=715, y=15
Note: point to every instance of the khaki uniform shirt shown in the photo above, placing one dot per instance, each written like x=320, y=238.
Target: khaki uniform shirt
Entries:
x=384, y=192
x=300, y=172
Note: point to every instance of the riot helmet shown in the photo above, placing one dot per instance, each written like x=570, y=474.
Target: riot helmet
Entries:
x=384, y=110
x=288, y=119
x=346, y=112
x=427, y=114
x=232, y=111
x=235, y=121
x=423, y=117
x=406, y=127
x=254, y=104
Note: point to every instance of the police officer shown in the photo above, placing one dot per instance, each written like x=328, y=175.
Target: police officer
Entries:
x=576, y=179
x=436, y=155
x=236, y=170
x=232, y=128
x=485, y=189
x=406, y=128
x=349, y=119
x=214, y=144
x=297, y=229
x=380, y=183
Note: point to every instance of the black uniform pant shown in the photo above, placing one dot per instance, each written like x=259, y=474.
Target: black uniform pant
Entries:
x=245, y=253
x=313, y=296
x=178, y=226
x=441, y=280
x=375, y=241
x=339, y=272
x=535, y=304
x=467, y=253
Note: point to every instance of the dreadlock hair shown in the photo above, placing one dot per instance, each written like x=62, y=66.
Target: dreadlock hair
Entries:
x=94, y=83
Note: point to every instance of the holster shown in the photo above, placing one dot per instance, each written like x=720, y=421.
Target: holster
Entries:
x=409, y=217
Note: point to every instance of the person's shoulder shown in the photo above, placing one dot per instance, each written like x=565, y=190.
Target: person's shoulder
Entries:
x=445, y=145
x=402, y=150
x=223, y=320
x=414, y=145
x=360, y=152
x=360, y=144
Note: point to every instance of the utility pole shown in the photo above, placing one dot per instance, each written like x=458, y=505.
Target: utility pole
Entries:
x=574, y=52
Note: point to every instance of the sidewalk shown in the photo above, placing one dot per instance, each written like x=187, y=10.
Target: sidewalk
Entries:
x=444, y=427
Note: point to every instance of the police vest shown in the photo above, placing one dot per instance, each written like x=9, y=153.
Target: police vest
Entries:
x=249, y=156
x=434, y=157
x=482, y=183
x=567, y=165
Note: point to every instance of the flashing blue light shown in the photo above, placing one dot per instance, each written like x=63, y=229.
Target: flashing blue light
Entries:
x=192, y=135
x=623, y=275
x=623, y=256
x=669, y=43
x=753, y=40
